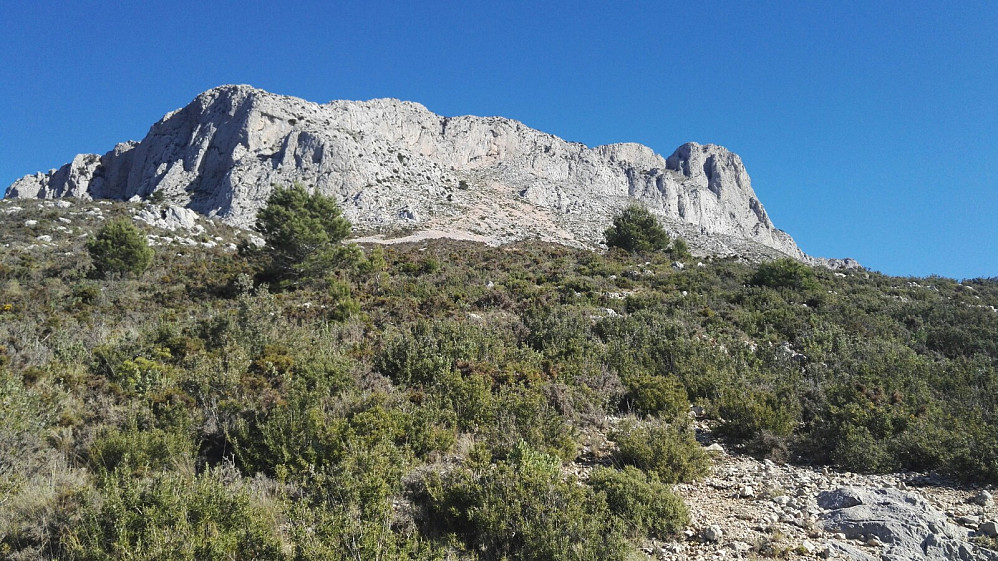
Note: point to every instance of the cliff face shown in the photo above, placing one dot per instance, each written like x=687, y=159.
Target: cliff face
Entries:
x=394, y=165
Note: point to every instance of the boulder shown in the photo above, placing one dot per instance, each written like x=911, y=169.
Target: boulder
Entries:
x=983, y=498
x=904, y=522
x=712, y=533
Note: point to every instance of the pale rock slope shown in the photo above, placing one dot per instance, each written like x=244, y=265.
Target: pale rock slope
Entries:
x=395, y=167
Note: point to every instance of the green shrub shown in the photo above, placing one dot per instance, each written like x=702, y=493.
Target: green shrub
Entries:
x=351, y=510
x=428, y=350
x=172, y=516
x=119, y=249
x=762, y=418
x=664, y=396
x=680, y=250
x=523, y=508
x=303, y=435
x=135, y=451
x=343, y=303
x=858, y=450
x=647, y=506
x=784, y=273
x=636, y=229
x=523, y=413
x=668, y=451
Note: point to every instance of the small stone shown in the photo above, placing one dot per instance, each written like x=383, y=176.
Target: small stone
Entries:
x=969, y=520
x=782, y=500
x=989, y=529
x=715, y=448
x=30, y=223
x=673, y=548
x=746, y=492
x=712, y=533
x=808, y=546
x=740, y=547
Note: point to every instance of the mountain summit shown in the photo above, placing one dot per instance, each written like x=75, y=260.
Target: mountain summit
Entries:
x=395, y=166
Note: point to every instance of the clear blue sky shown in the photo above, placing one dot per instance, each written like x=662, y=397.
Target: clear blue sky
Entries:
x=870, y=129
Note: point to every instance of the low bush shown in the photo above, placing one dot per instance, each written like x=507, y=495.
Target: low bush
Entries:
x=667, y=450
x=761, y=418
x=139, y=452
x=647, y=394
x=784, y=273
x=171, y=516
x=647, y=506
x=523, y=508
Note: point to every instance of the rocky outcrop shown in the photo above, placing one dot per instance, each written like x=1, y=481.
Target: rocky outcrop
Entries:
x=394, y=165
x=749, y=508
x=903, y=524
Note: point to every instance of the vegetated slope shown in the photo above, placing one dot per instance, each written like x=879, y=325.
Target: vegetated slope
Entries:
x=448, y=398
x=395, y=166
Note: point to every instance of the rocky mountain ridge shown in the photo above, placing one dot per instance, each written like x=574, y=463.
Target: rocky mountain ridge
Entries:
x=396, y=167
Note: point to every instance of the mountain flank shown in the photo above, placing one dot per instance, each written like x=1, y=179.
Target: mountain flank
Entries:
x=454, y=400
x=397, y=168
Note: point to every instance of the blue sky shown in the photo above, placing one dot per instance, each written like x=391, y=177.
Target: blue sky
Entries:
x=870, y=129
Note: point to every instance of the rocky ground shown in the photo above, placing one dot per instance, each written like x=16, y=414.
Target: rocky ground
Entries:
x=752, y=509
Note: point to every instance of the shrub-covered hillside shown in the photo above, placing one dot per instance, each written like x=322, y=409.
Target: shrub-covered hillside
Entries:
x=446, y=400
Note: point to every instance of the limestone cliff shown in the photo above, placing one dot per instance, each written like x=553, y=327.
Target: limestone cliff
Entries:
x=396, y=166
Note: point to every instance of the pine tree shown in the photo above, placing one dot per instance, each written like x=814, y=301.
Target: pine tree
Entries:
x=303, y=232
x=636, y=229
x=119, y=248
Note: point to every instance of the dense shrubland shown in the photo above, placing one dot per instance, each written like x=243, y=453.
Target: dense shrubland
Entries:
x=425, y=401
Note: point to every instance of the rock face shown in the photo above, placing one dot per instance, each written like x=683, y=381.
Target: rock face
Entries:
x=906, y=525
x=394, y=165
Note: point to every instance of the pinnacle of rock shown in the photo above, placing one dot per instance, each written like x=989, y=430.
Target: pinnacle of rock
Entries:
x=394, y=165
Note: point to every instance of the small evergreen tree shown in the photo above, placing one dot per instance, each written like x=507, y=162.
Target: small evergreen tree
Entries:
x=680, y=249
x=636, y=229
x=119, y=248
x=784, y=273
x=303, y=232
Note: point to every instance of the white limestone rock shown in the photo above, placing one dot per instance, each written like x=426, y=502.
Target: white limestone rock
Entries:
x=906, y=524
x=713, y=533
x=170, y=217
x=393, y=164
